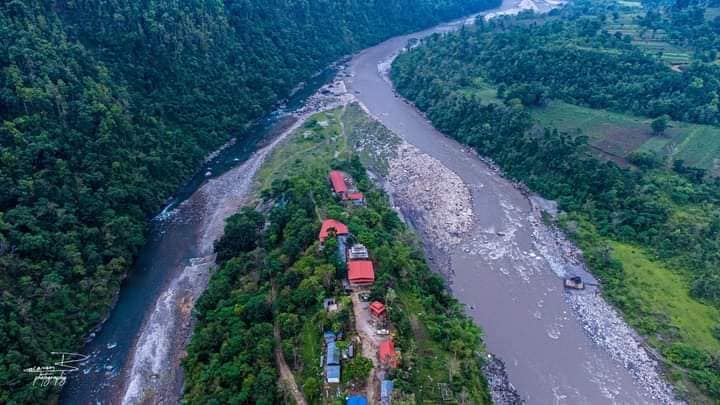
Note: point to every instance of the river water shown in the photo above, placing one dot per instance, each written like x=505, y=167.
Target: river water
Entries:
x=142, y=340
x=507, y=268
x=502, y=270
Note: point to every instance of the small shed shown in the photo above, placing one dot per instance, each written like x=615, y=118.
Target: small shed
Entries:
x=377, y=309
x=330, y=304
x=361, y=272
x=575, y=283
x=356, y=198
x=357, y=400
x=386, y=389
x=333, y=354
x=358, y=252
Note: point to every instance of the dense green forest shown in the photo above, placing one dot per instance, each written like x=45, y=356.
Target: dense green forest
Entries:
x=106, y=107
x=673, y=213
x=574, y=59
x=272, y=271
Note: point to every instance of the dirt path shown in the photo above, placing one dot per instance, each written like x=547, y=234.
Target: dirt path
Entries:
x=286, y=376
x=370, y=342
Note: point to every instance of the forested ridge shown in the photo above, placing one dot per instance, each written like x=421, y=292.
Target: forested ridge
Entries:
x=230, y=357
x=106, y=107
x=665, y=207
x=574, y=59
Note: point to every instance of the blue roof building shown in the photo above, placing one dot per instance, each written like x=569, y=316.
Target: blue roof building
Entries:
x=332, y=374
x=357, y=400
x=386, y=389
x=333, y=354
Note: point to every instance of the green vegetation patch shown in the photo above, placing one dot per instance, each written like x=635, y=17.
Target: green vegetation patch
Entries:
x=622, y=134
x=441, y=348
x=665, y=296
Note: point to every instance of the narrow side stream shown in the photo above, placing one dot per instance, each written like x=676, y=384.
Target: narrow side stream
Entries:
x=175, y=243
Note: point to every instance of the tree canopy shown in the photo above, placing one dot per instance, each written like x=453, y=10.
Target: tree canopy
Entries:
x=106, y=108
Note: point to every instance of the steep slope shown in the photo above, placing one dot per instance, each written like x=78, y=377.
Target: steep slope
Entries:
x=107, y=107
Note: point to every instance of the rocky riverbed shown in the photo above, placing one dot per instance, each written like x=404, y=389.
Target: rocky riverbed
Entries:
x=439, y=204
x=154, y=373
x=436, y=196
x=506, y=263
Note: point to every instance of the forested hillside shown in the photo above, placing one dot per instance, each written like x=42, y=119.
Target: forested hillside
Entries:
x=694, y=23
x=272, y=271
x=106, y=107
x=650, y=221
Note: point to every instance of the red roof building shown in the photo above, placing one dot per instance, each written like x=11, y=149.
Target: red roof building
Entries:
x=357, y=196
x=377, y=309
x=388, y=355
x=360, y=272
x=331, y=225
x=337, y=179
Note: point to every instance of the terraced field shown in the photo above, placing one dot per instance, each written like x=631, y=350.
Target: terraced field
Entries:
x=615, y=135
x=619, y=135
x=654, y=42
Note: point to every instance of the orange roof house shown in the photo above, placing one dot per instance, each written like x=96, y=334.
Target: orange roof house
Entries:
x=377, y=309
x=337, y=179
x=360, y=272
x=356, y=197
x=331, y=225
x=388, y=355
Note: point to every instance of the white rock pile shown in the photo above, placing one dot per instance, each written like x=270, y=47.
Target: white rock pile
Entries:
x=434, y=193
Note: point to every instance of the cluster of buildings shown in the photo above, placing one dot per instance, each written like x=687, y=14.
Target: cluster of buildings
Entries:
x=360, y=274
x=340, y=189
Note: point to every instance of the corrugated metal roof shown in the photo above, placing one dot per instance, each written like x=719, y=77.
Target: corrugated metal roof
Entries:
x=386, y=388
x=361, y=271
x=333, y=374
x=333, y=354
x=328, y=224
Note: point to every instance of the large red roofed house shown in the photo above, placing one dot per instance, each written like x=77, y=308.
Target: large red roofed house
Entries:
x=360, y=272
x=388, y=355
x=331, y=225
x=337, y=179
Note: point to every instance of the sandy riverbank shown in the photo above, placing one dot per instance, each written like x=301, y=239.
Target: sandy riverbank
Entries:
x=154, y=373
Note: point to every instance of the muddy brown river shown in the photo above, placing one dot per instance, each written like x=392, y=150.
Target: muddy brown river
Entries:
x=506, y=269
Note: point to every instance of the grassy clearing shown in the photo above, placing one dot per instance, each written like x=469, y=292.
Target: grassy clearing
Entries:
x=595, y=124
x=621, y=134
x=315, y=143
x=665, y=296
